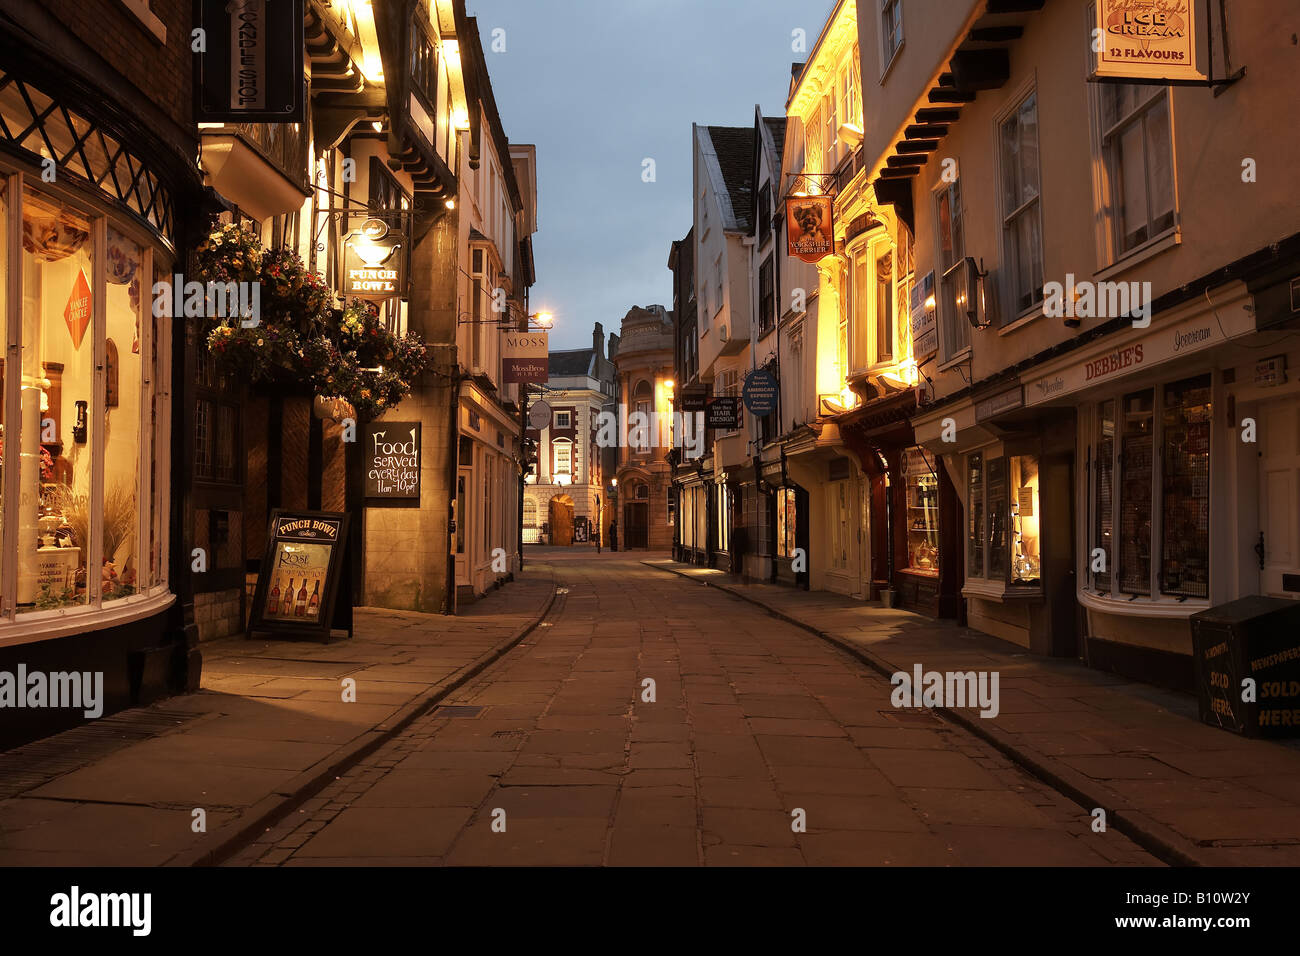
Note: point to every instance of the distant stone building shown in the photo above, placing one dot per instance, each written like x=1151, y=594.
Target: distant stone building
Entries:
x=564, y=496
x=645, y=385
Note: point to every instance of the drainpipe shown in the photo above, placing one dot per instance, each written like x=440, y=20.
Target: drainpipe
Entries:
x=458, y=377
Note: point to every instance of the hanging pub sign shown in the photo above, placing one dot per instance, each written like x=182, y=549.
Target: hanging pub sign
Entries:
x=248, y=61
x=298, y=584
x=1148, y=40
x=810, y=227
x=526, y=356
x=372, y=266
x=392, y=463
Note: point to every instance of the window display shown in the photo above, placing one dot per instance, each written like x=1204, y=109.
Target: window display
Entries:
x=1135, y=494
x=1025, y=513
x=1175, y=419
x=1185, y=559
x=785, y=522
x=1105, y=498
x=87, y=374
x=975, y=510
x=922, y=490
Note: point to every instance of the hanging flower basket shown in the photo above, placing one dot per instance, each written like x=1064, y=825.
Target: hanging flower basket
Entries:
x=303, y=344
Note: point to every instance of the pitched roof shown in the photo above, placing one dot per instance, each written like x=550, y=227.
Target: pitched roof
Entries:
x=734, y=146
x=776, y=128
x=569, y=363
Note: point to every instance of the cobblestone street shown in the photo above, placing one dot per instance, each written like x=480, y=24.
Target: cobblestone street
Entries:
x=552, y=756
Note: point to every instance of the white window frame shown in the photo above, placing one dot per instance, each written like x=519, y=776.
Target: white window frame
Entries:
x=949, y=355
x=1110, y=256
x=557, y=446
x=154, y=439
x=563, y=418
x=889, y=54
x=1030, y=207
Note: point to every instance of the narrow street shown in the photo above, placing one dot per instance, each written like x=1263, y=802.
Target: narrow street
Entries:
x=552, y=756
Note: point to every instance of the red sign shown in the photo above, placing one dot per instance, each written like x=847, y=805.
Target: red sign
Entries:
x=810, y=227
x=77, y=312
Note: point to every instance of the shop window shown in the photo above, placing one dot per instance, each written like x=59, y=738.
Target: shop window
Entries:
x=1175, y=526
x=1003, y=540
x=1185, y=509
x=1026, y=561
x=922, y=495
x=976, y=532
x=1022, y=234
x=786, y=522
x=840, y=525
x=723, y=501
x=86, y=465
x=1104, y=535
x=1136, y=460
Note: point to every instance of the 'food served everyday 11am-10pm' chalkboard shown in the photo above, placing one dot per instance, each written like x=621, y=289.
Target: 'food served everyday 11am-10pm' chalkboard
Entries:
x=298, y=585
x=392, y=460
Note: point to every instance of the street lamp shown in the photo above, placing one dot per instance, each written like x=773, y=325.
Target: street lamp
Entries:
x=543, y=320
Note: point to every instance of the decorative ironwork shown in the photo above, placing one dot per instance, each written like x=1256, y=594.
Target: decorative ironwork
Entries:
x=33, y=122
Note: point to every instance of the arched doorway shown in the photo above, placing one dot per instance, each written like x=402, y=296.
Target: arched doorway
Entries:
x=561, y=520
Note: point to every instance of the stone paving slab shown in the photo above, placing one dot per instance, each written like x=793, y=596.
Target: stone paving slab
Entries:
x=591, y=774
x=1198, y=793
x=272, y=724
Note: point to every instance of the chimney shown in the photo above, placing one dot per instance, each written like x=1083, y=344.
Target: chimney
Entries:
x=598, y=340
x=613, y=345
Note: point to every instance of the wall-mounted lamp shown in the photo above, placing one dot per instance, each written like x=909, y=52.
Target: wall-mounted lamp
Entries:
x=969, y=297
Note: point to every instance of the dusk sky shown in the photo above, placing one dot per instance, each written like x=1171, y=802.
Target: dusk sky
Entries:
x=600, y=86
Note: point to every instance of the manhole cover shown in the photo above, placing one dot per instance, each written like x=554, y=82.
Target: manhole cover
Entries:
x=458, y=710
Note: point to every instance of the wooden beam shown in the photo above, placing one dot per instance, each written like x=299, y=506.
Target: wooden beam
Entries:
x=995, y=34
x=917, y=146
x=908, y=159
x=939, y=95
x=980, y=69
x=899, y=172
x=928, y=131
x=1013, y=6
x=935, y=115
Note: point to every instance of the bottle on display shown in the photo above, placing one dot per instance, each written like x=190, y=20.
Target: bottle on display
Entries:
x=287, y=605
x=273, y=604
x=300, y=608
x=313, y=605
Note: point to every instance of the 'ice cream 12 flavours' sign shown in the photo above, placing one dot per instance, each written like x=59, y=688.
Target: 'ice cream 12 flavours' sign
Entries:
x=299, y=579
x=392, y=461
x=1148, y=39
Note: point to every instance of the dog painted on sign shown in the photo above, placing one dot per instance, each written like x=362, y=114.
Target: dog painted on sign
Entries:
x=809, y=220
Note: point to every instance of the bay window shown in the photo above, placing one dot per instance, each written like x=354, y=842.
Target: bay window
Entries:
x=84, y=428
x=1162, y=499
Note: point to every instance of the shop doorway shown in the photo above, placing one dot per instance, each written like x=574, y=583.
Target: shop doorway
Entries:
x=1279, y=492
x=636, y=525
x=561, y=520
x=463, y=479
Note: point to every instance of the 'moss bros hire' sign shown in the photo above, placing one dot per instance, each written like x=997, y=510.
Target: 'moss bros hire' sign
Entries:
x=393, y=452
x=248, y=61
x=1148, y=39
x=526, y=356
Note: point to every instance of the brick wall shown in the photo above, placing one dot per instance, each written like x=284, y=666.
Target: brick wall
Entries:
x=159, y=71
